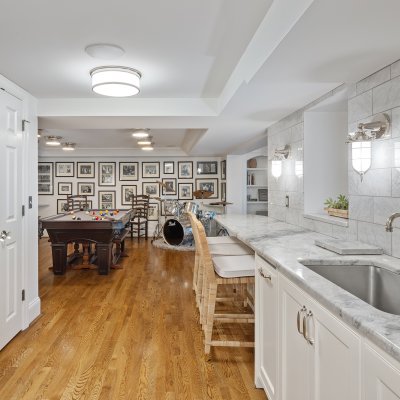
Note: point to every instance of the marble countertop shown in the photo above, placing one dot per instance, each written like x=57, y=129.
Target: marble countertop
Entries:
x=283, y=245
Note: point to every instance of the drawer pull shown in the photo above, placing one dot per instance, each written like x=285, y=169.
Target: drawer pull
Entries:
x=261, y=272
x=299, y=314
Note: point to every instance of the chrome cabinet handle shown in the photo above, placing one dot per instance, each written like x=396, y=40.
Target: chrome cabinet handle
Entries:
x=261, y=272
x=4, y=235
x=299, y=313
x=305, y=328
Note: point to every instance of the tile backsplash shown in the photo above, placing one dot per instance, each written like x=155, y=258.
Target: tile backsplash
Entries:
x=371, y=200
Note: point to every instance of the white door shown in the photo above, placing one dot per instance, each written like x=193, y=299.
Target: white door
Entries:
x=10, y=217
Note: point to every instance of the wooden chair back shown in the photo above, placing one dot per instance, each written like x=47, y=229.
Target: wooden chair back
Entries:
x=140, y=206
x=77, y=202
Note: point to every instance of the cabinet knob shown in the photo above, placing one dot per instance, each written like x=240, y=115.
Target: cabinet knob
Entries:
x=4, y=235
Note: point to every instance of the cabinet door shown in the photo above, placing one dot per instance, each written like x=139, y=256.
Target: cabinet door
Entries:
x=336, y=372
x=266, y=328
x=381, y=379
x=295, y=354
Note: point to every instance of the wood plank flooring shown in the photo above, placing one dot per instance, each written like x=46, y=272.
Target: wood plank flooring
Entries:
x=133, y=334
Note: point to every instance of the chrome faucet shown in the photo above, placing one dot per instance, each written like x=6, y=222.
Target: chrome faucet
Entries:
x=389, y=222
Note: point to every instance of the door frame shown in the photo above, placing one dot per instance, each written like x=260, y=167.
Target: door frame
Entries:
x=29, y=226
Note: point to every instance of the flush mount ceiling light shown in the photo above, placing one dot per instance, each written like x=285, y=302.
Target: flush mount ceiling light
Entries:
x=68, y=146
x=148, y=148
x=53, y=140
x=40, y=133
x=104, y=51
x=141, y=133
x=114, y=81
x=361, y=148
x=145, y=142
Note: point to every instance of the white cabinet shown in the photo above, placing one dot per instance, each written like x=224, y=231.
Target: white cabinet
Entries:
x=320, y=355
x=382, y=380
x=266, y=328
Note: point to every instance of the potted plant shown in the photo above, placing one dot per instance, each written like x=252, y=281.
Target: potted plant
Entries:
x=339, y=207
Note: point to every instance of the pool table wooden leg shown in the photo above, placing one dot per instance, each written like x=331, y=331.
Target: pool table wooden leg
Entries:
x=59, y=253
x=104, y=257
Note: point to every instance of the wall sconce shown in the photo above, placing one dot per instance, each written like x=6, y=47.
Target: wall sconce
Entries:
x=361, y=155
x=279, y=155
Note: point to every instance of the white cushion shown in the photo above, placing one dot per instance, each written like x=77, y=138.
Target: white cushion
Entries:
x=229, y=249
x=221, y=239
x=234, y=266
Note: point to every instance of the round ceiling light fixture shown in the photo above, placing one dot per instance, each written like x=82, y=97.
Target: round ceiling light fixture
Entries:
x=114, y=81
x=145, y=141
x=53, y=140
x=68, y=146
x=141, y=133
x=104, y=51
x=148, y=148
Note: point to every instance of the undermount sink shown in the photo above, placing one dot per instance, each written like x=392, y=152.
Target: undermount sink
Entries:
x=373, y=284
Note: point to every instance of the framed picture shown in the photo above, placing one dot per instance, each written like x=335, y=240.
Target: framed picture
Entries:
x=151, y=189
x=207, y=167
x=185, y=191
x=151, y=169
x=166, y=208
x=262, y=194
x=107, y=173
x=209, y=184
x=170, y=186
x=127, y=192
x=85, y=188
x=153, y=211
x=62, y=206
x=128, y=171
x=106, y=200
x=169, y=167
x=65, y=169
x=65, y=188
x=45, y=178
x=223, y=170
x=185, y=169
x=85, y=169
x=223, y=191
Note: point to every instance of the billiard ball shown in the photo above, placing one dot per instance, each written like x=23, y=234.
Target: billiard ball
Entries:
x=78, y=219
x=93, y=218
x=111, y=214
x=87, y=213
x=106, y=211
x=74, y=217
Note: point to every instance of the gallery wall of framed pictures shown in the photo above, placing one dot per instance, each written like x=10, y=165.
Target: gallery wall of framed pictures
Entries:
x=111, y=184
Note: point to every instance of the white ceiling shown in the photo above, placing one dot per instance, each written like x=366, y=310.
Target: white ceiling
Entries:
x=216, y=73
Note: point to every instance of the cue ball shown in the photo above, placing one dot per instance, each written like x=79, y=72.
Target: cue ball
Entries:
x=73, y=217
x=87, y=212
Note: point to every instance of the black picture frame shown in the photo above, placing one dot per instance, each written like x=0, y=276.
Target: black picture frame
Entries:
x=60, y=188
x=185, y=169
x=60, y=206
x=152, y=193
x=210, y=184
x=124, y=200
x=128, y=171
x=83, y=172
x=106, y=204
x=107, y=173
x=181, y=196
x=170, y=188
x=169, y=167
x=148, y=164
x=164, y=212
x=223, y=191
x=68, y=173
x=207, y=167
x=82, y=192
x=45, y=178
x=223, y=170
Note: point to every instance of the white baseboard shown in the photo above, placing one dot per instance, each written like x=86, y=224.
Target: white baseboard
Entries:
x=33, y=310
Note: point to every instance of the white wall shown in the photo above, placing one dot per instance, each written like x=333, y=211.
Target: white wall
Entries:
x=31, y=306
x=325, y=158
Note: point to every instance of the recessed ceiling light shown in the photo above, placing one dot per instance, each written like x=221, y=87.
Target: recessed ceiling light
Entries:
x=68, y=146
x=147, y=148
x=53, y=140
x=141, y=133
x=104, y=51
x=115, y=81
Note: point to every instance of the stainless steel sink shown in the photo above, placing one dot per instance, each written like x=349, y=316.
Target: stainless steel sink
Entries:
x=375, y=285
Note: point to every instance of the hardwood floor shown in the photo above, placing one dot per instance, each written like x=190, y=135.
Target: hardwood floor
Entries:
x=133, y=334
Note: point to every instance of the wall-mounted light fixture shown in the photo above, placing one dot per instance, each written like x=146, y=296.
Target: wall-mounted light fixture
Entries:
x=361, y=154
x=279, y=155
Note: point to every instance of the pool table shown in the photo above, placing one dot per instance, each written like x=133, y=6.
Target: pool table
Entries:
x=99, y=227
